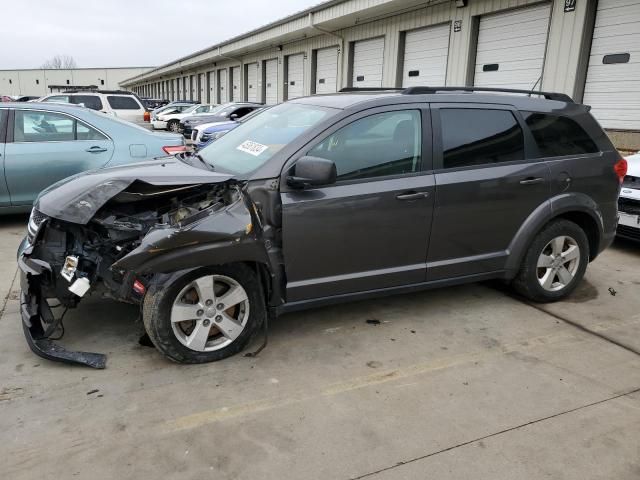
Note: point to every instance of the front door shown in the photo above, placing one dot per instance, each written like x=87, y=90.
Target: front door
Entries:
x=46, y=147
x=487, y=185
x=370, y=229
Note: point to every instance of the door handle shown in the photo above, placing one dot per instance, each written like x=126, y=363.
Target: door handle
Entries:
x=531, y=181
x=412, y=195
x=96, y=149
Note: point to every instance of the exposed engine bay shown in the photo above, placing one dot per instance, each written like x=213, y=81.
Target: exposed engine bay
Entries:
x=86, y=253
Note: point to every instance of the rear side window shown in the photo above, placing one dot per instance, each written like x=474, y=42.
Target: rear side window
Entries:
x=90, y=101
x=478, y=136
x=123, y=103
x=557, y=136
x=38, y=126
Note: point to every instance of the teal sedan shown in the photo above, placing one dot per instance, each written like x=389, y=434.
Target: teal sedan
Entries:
x=41, y=143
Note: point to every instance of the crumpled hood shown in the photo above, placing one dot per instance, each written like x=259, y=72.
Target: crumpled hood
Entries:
x=78, y=198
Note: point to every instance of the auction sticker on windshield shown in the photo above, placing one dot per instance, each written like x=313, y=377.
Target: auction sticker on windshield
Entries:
x=252, y=148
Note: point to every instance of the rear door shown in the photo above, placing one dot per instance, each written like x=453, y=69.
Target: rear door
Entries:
x=44, y=147
x=370, y=229
x=487, y=184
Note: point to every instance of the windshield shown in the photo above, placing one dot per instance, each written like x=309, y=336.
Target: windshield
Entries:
x=190, y=109
x=255, y=141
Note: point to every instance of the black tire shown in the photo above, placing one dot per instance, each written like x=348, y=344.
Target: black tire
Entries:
x=156, y=314
x=172, y=126
x=526, y=282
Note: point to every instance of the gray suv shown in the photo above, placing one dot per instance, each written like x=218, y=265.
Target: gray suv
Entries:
x=328, y=199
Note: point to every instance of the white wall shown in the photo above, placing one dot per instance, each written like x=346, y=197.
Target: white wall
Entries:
x=37, y=81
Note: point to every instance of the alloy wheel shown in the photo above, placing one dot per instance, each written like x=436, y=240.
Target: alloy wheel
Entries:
x=558, y=263
x=210, y=313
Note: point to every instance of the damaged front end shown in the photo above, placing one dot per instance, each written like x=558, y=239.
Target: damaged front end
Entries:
x=112, y=238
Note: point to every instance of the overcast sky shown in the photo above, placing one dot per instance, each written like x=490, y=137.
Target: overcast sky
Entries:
x=123, y=33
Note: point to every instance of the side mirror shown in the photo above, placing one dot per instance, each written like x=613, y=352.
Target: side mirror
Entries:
x=312, y=172
x=233, y=116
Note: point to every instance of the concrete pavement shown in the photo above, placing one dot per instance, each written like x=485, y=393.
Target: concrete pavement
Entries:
x=466, y=382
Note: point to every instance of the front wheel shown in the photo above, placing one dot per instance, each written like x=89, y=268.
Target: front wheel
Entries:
x=206, y=315
x=554, y=264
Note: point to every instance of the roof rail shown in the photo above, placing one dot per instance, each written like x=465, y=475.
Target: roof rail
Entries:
x=96, y=90
x=561, y=97
x=371, y=89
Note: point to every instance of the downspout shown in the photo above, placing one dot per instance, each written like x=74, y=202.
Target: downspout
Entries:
x=335, y=35
x=241, y=72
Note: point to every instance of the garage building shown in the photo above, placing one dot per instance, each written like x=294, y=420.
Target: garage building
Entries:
x=588, y=49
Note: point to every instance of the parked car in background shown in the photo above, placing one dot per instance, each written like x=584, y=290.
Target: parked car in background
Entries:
x=41, y=143
x=173, y=107
x=26, y=98
x=327, y=199
x=171, y=120
x=225, y=112
x=206, y=133
x=154, y=103
x=6, y=98
x=120, y=103
x=177, y=102
x=629, y=201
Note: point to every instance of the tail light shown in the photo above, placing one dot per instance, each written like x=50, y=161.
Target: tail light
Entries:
x=147, y=116
x=173, y=149
x=621, y=169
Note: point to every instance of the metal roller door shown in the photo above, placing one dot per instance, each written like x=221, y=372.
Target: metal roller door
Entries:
x=295, y=76
x=613, y=75
x=235, y=84
x=368, y=57
x=511, y=48
x=271, y=82
x=252, y=82
x=223, y=86
x=202, y=92
x=425, y=56
x=327, y=70
x=211, y=87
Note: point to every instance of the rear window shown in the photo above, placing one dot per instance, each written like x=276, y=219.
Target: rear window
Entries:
x=558, y=136
x=123, y=103
x=90, y=101
x=479, y=136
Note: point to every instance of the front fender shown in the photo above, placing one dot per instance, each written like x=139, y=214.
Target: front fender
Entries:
x=552, y=208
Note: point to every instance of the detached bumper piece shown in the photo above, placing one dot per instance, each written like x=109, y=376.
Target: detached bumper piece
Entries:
x=39, y=323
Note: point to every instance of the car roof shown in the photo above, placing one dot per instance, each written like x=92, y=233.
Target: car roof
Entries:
x=349, y=98
x=58, y=106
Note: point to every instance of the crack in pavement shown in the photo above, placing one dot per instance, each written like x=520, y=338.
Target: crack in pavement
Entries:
x=495, y=434
x=6, y=297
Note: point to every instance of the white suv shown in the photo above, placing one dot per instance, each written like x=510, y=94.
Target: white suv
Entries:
x=122, y=104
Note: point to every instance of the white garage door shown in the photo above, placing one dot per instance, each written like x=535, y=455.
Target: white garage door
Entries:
x=295, y=76
x=235, y=84
x=271, y=82
x=368, y=56
x=613, y=77
x=252, y=82
x=327, y=70
x=211, y=87
x=425, y=56
x=202, y=83
x=223, y=86
x=511, y=48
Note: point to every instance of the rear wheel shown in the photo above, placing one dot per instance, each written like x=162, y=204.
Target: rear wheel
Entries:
x=555, y=262
x=205, y=315
x=173, y=125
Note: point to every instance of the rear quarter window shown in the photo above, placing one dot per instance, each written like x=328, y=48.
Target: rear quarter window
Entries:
x=123, y=103
x=558, y=136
